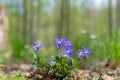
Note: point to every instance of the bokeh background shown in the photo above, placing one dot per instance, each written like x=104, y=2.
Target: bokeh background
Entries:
x=93, y=23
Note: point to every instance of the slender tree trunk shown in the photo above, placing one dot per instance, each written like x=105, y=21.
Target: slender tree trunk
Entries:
x=19, y=19
x=60, y=26
x=34, y=23
x=118, y=17
x=64, y=18
x=110, y=19
x=25, y=20
x=31, y=31
x=39, y=7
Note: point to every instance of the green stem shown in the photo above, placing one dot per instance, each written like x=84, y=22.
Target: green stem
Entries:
x=36, y=58
x=59, y=65
x=59, y=52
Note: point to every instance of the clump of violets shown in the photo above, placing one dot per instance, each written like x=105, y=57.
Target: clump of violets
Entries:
x=62, y=64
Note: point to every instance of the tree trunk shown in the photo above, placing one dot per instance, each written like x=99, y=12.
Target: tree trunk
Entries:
x=110, y=19
x=118, y=17
x=25, y=20
x=60, y=27
x=63, y=27
x=66, y=18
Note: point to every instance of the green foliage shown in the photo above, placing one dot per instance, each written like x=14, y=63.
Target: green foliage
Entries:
x=80, y=40
x=63, y=66
x=113, y=51
x=37, y=60
x=17, y=45
x=17, y=42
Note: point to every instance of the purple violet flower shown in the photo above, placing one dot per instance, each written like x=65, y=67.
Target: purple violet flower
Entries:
x=67, y=52
x=66, y=42
x=51, y=60
x=80, y=54
x=58, y=42
x=36, y=46
x=84, y=52
x=62, y=43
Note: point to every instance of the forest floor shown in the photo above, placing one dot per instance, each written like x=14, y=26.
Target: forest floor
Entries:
x=15, y=71
x=91, y=71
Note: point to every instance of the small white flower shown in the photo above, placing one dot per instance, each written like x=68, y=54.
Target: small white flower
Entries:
x=92, y=36
x=84, y=31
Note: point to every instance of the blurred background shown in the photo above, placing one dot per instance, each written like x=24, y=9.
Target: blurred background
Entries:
x=93, y=23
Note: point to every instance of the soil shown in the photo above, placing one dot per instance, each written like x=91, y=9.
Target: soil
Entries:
x=97, y=73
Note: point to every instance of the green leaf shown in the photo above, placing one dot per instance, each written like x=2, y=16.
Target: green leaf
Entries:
x=60, y=73
x=56, y=58
x=52, y=64
x=68, y=66
x=35, y=56
x=34, y=66
x=70, y=61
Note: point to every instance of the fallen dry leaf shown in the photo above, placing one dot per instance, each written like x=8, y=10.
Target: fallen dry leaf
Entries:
x=106, y=77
